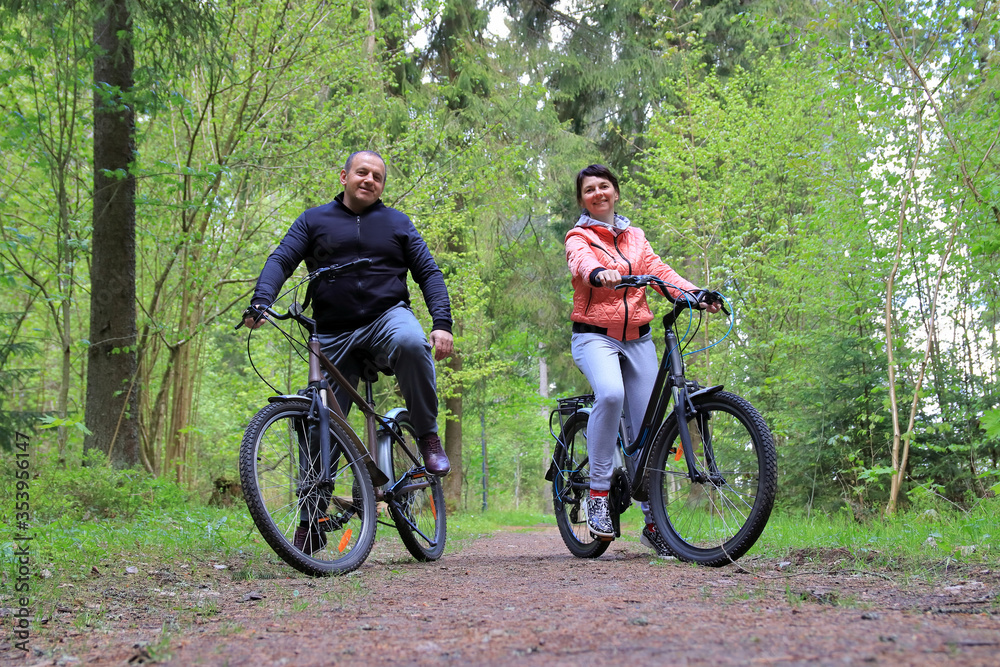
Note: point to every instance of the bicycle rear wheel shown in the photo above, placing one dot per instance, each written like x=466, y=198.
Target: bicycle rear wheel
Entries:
x=715, y=522
x=570, y=487
x=417, y=508
x=279, y=470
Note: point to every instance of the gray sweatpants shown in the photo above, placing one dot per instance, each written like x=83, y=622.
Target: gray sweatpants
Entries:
x=615, y=369
x=395, y=340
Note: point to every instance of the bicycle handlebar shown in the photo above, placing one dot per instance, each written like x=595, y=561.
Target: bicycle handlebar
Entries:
x=339, y=269
x=705, y=296
x=295, y=310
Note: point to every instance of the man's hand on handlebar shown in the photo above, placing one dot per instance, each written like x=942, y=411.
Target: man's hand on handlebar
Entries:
x=253, y=317
x=443, y=344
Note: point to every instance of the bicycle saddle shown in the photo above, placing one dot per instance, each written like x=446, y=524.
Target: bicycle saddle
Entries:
x=370, y=365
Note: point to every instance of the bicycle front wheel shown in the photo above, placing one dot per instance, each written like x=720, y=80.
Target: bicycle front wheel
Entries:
x=570, y=488
x=417, y=507
x=317, y=528
x=714, y=522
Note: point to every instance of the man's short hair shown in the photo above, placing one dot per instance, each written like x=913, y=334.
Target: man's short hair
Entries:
x=350, y=158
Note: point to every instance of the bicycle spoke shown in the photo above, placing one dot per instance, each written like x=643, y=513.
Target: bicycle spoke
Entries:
x=716, y=520
x=312, y=527
x=416, y=499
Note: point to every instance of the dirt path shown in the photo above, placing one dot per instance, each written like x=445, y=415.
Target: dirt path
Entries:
x=520, y=598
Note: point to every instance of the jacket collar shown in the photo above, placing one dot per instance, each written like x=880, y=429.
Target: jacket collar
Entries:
x=621, y=223
x=340, y=200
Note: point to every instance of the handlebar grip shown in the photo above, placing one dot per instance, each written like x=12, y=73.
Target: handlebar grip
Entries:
x=711, y=297
x=334, y=271
x=256, y=312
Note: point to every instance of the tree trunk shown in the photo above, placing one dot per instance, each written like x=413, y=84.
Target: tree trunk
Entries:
x=65, y=263
x=112, y=409
x=453, y=483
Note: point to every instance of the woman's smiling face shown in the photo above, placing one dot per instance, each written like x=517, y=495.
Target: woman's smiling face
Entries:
x=598, y=196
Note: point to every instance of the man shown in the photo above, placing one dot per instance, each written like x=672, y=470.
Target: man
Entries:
x=369, y=309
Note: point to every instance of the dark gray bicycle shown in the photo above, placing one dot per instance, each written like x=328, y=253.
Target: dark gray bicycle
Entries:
x=311, y=484
x=708, y=467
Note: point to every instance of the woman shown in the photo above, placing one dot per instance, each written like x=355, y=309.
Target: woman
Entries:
x=612, y=344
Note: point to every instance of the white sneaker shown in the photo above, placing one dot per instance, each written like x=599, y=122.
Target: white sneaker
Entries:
x=599, y=516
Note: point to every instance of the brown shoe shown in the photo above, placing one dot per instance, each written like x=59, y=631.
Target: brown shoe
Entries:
x=435, y=460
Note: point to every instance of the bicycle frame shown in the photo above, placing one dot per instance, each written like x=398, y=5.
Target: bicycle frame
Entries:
x=321, y=396
x=380, y=433
x=670, y=377
x=380, y=465
x=378, y=429
x=412, y=497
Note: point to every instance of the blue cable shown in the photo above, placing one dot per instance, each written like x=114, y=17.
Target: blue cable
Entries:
x=732, y=323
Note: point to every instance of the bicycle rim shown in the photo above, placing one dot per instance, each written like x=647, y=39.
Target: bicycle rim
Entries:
x=715, y=522
x=570, y=487
x=279, y=470
x=419, y=514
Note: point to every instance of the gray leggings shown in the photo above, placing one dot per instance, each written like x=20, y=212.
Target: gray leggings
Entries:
x=615, y=370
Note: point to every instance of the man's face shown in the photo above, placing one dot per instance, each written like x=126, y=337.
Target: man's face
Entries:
x=364, y=183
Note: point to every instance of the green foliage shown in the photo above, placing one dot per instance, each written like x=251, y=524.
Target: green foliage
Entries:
x=95, y=491
x=12, y=376
x=764, y=148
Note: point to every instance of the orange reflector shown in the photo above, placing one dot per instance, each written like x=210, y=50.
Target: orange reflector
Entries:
x=344, y=540
x=680, y=452
x=434, y=511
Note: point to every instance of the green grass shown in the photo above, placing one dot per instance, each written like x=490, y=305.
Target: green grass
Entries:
x=931, y=535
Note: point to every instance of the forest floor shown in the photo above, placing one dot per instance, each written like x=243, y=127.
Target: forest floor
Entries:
x=518, y=597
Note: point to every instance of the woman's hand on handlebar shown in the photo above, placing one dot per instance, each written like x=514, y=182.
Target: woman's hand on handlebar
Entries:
x=609, y=278
x=710, y=301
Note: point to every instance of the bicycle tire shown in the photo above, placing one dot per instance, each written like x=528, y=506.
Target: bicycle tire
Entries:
x=716, y=522
x=570, y=487
x=420, y=515
x=270, y=471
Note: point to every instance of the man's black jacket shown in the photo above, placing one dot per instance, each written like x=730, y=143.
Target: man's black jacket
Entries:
x=333, y=234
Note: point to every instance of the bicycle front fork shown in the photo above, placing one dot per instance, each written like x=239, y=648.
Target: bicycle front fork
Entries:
x=684, y=410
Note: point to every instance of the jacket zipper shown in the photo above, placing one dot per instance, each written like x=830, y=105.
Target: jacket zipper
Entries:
x=591, y=297
x=603, y=249
x=625, y=294
x=360, y=288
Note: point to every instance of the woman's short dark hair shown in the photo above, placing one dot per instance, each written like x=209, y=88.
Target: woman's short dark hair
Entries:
x=598, y=170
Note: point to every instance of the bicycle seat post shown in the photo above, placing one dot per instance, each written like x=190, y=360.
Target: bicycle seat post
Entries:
x=370, y=426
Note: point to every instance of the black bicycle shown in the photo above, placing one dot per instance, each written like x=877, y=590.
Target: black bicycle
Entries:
x=708, y=468
x=304, y=470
